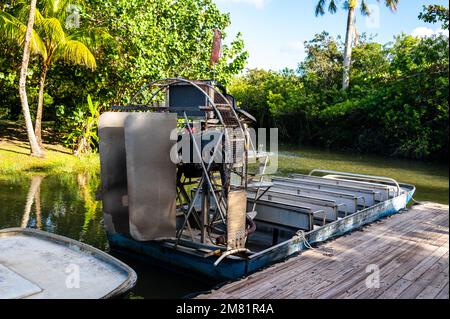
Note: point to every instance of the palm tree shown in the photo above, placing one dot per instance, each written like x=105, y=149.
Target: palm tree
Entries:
x=350, y=6
x=57, y=44
x=27, y=44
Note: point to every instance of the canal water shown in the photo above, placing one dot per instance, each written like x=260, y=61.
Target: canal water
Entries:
x=65, y=204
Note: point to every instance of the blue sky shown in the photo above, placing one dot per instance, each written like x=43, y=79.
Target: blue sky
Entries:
x=275, y=30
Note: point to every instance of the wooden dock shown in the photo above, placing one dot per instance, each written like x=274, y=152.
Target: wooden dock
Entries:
x=401, y=257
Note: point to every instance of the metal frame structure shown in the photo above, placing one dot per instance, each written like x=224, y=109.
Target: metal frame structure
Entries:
x=219, y=117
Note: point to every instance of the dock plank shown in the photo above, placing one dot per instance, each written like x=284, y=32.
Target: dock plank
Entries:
x=346, y=255
x=444, y=292
x=390, y=273
x=410, y=249
x=395, y=269
x=435, y=287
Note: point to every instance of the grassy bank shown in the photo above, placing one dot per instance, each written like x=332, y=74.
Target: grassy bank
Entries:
x=15, y=160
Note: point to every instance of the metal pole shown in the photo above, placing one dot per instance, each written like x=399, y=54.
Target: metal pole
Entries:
x=201, y=182
x=205, y=210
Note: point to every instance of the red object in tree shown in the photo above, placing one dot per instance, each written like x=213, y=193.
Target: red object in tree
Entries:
x=216, y=47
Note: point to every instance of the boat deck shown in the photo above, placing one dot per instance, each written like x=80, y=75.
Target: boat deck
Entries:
x=38, y=265
x=410, y=250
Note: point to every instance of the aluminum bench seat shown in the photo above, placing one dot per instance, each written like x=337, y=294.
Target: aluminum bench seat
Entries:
x=329, y=207
x=352, y=202
x=284, y=214
x=390, y=190
x=371, y=197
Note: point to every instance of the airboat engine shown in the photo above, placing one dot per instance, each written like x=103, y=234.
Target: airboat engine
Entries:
x=174, y=166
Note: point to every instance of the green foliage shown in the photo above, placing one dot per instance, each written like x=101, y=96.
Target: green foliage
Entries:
x=397, y=104
x=161, y=38
x=151, y=39
x=434, y=14
x=50, y=38
x=81, y=127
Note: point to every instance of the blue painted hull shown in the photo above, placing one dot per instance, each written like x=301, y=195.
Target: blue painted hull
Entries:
x=228, y=269
x=234, y=267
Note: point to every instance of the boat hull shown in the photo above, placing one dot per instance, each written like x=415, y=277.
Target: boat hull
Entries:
x=39, y=265
x=233, y=267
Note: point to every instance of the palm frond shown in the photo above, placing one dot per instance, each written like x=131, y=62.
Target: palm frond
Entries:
x=20, y=11
x=391, y=4
x=36, y=43
x=49, y=7
x=332, y=7
x=59, y=9
x=365, y=11
x=51, y=30
x=320, y=7
x=75, y=52
x=93, y=38
x=13, y=30
x=38, y=17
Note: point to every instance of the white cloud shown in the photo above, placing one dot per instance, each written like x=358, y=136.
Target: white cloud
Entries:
x=259, y=4
x=443, y=31
x=428, y=32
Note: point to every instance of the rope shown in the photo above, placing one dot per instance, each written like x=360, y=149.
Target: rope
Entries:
x=302, y=236
x=416, y=202
x=324, y=250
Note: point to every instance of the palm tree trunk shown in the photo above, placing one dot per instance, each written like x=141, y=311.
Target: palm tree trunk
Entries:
x=37, y=206
x=37, y=128
x=348, y=47
x=35, y=183
x=35, y=149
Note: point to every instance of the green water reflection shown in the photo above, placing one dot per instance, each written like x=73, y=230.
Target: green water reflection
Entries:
x=66, y=205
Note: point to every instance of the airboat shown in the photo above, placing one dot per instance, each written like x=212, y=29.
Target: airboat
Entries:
x=183, y=185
